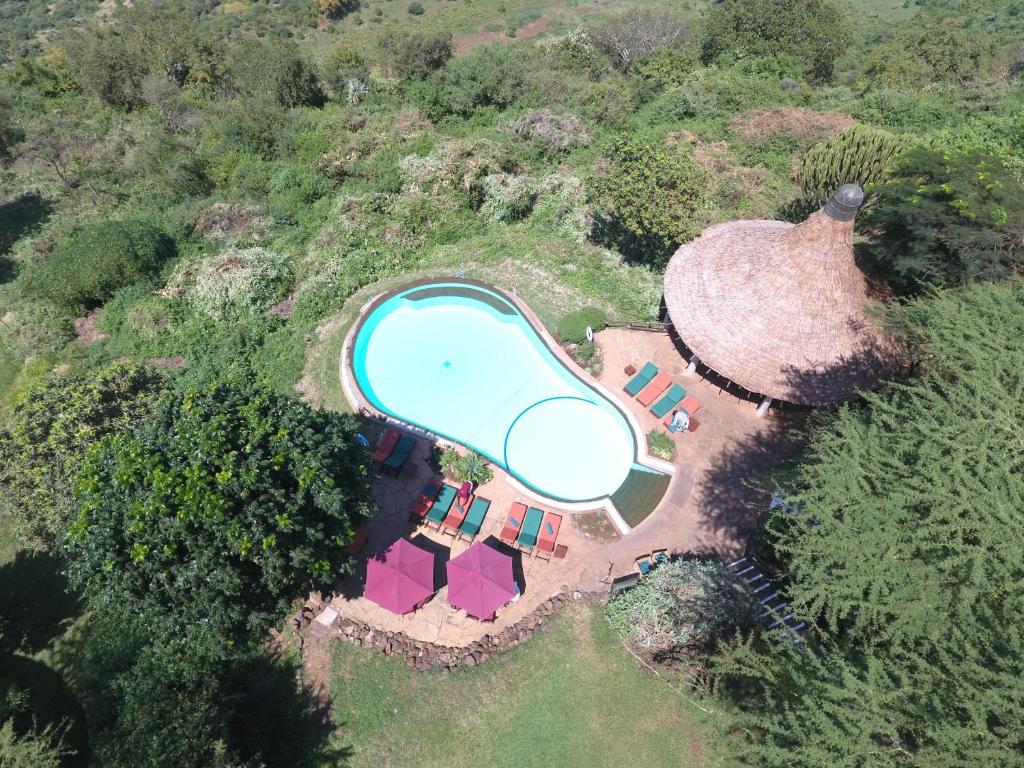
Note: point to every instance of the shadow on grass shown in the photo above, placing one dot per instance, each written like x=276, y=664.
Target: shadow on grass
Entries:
x=18, y=218
x=35, y=605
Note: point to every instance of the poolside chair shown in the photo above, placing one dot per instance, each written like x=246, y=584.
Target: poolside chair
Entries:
x=669, y=401
x=513, y=523
x=659, y=556
x=640, y=380
x=422, y=505
x=477, y=512
x=690, y=404
x=531, y=527
x=400, y=455
x=456, y=515
x=358, y=540
x=655, y=388
x=548, y=535
x=644, y=564
x=441, y=505
x=386, y=444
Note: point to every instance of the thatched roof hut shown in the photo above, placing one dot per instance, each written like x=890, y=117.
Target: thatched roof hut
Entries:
x=781, y=309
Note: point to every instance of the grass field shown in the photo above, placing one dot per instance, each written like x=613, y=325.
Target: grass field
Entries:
x=571, y=696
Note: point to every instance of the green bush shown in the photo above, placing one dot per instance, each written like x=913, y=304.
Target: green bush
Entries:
x=416, y=9
x=473, y=468
x=416, y=55
x=489, y=76
x=91, y=262
x=661, y=445
x=508, y=197
x=274, y=68
x=572, y=328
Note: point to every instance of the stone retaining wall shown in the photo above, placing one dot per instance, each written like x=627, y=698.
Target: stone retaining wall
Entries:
x=322, y=620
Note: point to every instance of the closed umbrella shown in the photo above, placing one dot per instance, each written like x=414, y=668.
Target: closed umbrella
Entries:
x=480, y=581
x=401, y=578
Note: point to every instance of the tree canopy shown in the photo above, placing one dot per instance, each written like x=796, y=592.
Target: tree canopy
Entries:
x=220, y=508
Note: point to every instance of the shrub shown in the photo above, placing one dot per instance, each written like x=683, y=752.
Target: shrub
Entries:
x=449, y=461
x=417, y=55
x=661, y=445
x=416, y=9
x=274, y=68
x=508, y=197
x=336, y=9
x=572, y=328
x=926, y=51
x=473, y=468
x=237, y=281
x=859, y=155
x=454, y=164
x=108, y=65
x=638, y=32
x=35, y=328
x=945, y=219
x=585, y=353
x=33, y=749
x=345, y=63
x=558, y=132
x=561, y=204
x=692, y=100
x=489, y=76
x=814, y=32
x=91, y=262
x=679, y=605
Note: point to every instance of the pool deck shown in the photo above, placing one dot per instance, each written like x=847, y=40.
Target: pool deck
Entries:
x=708, y=508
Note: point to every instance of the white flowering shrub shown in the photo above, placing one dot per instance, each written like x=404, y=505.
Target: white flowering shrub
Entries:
x=508, y=197
x=455, y=164
x=236, y=281
x=682, y=604
x=559, y=132
x=561, y=204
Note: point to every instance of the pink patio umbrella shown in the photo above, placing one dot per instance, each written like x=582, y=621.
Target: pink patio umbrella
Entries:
x=401, y=578
x=480, y=581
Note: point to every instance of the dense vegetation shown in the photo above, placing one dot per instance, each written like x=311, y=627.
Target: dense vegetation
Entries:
x=197, y=197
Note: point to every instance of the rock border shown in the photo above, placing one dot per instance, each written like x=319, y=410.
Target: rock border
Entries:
x=321, y=619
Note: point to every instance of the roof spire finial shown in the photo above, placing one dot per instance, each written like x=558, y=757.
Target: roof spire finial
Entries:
x=845, y=203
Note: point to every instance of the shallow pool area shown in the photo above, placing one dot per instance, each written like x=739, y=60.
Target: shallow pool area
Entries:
x=460, y=360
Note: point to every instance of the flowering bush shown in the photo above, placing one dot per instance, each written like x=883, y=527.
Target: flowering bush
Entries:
x=560, y=204
x=559, y=132
x=508, y=196
x=456, y=164
x=239, y=280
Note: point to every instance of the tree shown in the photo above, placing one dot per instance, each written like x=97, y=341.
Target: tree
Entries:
x=345, y=64
x=30, y=750
x=946, y=218
x=172, y=45
x=274, y=67
x=89, y=263
x=50, y=430
x=108, y=64
x=489, y=76
x=639, y=32
x=655, y=192
x=928, y=50
x=859, y=155
x=907, y=552
x=336, y=9
x=814, y=32
x=417, y=55
x=218, y=510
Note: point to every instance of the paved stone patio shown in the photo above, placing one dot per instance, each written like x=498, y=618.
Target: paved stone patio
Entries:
x=708, y=508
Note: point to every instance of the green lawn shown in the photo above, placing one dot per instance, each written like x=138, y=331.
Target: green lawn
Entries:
x=571, y=696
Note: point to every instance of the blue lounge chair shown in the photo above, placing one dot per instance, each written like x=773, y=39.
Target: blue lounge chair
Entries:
x=443, y=503
x=669, y=401
x=530, y=529
x=641, y=380
x=477, y=512
x=401, y=454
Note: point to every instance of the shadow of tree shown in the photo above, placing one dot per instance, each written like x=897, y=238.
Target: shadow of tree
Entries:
x=279, y=721
x=35, y=604
x=608, y=231
x=18, y=218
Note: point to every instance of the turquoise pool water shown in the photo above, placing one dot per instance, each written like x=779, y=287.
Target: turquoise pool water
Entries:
x=459, y=360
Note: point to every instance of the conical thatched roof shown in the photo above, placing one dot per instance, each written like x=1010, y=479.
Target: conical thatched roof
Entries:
x=781, y=309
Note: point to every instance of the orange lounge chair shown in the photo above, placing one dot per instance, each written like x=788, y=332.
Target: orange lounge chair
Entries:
x=694, y=425
x=514, y=521
x=387, y=444
x=422, y=505
x=655, y=389
x=456, y=516
x=548, y=535
x=690, y=404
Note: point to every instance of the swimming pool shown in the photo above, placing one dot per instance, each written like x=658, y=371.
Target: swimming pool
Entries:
x=460, y=360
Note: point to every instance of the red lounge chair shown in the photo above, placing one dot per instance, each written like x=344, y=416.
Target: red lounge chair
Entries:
x=655, y=389
x=694, y=425
x=456, y=515
x=548, y=534
x=358, y=540
x=690, y=404
x=513, y=523
x=422, y=505
x=387, y=444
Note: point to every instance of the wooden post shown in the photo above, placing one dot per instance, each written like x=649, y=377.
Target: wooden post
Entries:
x=762, y=409
x=692, y=367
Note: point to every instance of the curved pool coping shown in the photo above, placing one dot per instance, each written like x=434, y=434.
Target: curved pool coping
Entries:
x=359, y=402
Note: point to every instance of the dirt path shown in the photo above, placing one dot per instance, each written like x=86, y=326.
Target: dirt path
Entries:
x=466, y=43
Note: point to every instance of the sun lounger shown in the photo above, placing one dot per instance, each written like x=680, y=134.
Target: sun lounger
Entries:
x=401, y=453
x=669, y=401
x=441, y=505
x=655, y=388
x=453, y=520
x=422, y=505
x=531, y=527
x=386, y=444
x=513, y=523
x=644, y=564
x=475, y=518
x=641, y=380
x=358, y=540
x=659, y=556
x=690, y=404
x=548, y=535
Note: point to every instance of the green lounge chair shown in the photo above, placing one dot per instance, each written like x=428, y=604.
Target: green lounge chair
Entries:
x=401, y=453
x=475, y=518
x=641, y=380
x=669, y=401
x=441, y=504
x=530, y=529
